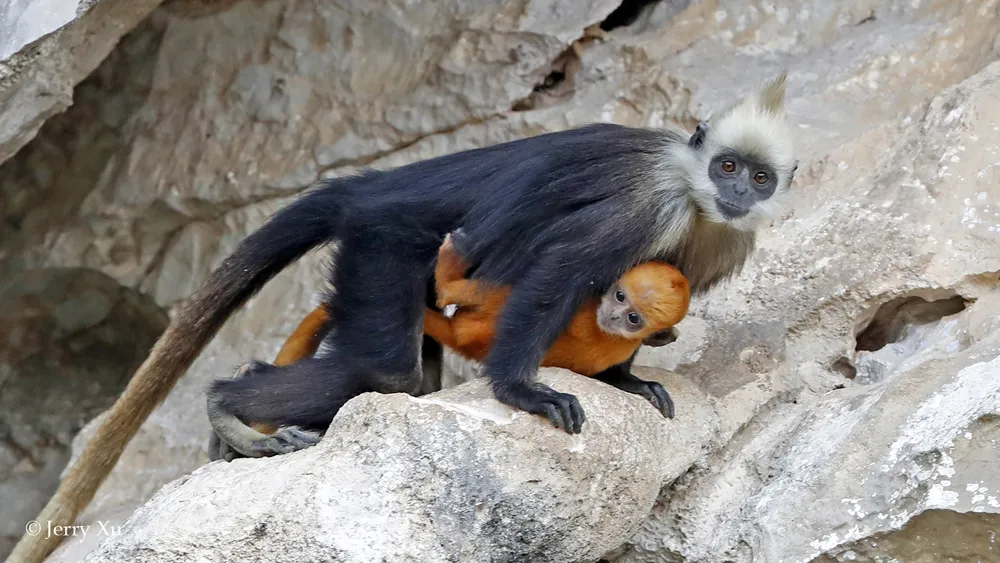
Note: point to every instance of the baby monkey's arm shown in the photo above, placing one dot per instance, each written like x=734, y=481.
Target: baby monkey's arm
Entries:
x=449, y=276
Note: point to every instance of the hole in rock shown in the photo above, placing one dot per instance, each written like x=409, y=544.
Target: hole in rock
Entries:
x=844, y=367
x=892, y=319
x=558, y=83
x=626, y=13
x=70, y=340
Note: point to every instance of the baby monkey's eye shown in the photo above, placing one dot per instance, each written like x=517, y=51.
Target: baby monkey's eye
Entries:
x=760, y=177
x=728, y=166
x=619, y=296
x=633, y=318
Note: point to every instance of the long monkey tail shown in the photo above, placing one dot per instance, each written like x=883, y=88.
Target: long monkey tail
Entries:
x=310, y=221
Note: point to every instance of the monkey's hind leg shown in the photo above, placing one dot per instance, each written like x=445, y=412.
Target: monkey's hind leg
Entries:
x=621, y=377
x=302, y=343
x=232, y=438
x=376, y=345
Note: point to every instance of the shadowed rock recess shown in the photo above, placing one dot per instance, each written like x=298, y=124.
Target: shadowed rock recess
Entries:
x=70, y=338
x=838, y=401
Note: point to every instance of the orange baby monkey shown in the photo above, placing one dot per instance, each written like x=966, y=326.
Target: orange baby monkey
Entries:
x=601, y=340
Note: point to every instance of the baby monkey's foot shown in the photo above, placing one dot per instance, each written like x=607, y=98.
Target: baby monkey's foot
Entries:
x=286, y=440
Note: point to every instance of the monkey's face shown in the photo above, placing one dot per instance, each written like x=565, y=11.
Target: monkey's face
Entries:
x=741, y=166
x=740, y=183
x=618, y=316
x=742, y=187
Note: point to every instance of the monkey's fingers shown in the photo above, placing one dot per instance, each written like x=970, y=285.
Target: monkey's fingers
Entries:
x=458, y=241
x=216, y=451
x=662, y=399
x=219, y=449
x=554, y=415
x=651, y=390
x=562, y=409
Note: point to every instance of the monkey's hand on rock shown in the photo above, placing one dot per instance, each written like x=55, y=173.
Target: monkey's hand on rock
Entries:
x=562, y=409
x=651, y=390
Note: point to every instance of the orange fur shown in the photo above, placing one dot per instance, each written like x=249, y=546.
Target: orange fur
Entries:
x=658, y=290
x=301, y=344
x=305, y=340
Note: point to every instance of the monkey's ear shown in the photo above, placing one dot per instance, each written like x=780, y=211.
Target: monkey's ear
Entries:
x=698, y=139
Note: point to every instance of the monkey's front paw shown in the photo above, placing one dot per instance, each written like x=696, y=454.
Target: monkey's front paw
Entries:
x=285, y=440
x=652, y=391
x=562, y=409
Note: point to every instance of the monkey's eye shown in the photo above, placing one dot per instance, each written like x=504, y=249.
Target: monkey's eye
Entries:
x=633, y=318
x=619, y=296
x=728, y=166
x=761, y=178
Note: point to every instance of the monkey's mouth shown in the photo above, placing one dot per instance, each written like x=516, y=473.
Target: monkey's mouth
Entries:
x=730, y=211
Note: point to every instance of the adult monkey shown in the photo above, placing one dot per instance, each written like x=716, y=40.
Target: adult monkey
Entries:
x=559, y=217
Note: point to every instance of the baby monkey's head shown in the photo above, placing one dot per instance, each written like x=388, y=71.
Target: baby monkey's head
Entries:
x=648, y=299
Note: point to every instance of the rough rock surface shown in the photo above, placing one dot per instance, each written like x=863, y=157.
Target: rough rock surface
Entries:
x=449, y=476
x=46, y=48
x=824, y=354
x=878, y=449
x=69, y=341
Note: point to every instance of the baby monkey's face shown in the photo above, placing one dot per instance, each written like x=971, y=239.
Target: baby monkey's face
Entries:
x=617, y=315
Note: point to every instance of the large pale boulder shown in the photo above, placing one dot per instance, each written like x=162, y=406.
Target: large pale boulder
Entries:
x=450, y=475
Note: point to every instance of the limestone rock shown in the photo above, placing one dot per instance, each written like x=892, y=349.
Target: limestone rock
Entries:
x=934, y=535
x=231, y=108
x=46, y=48
x=868, y=278
x=69, y=341
x=450, y=475
x=824, y=473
